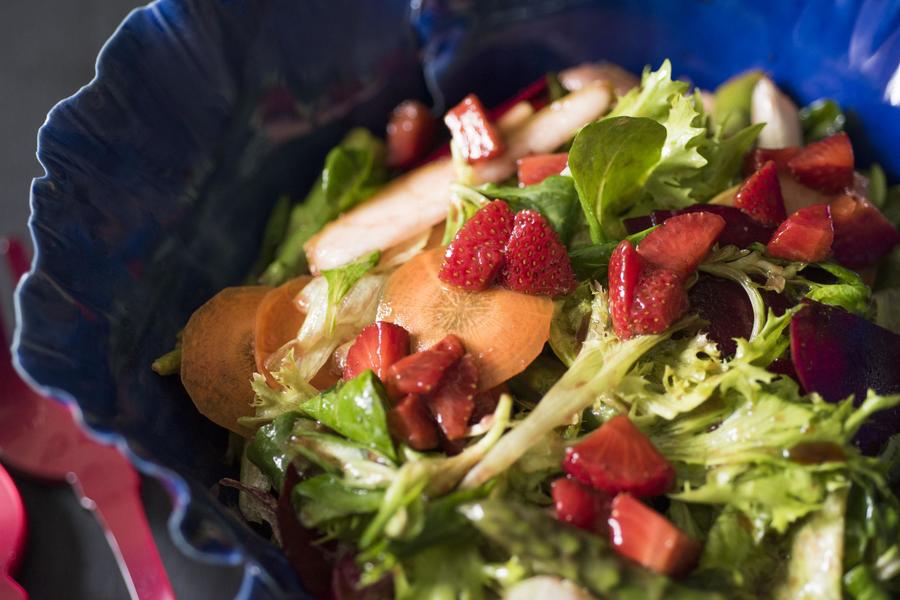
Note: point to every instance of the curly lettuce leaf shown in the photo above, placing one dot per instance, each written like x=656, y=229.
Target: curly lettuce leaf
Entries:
x=341, y=279
x=681, y=157
x=652, y=99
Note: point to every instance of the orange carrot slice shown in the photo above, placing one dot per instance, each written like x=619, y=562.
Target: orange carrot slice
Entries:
x=278, y=319
x=217, y=357
x=503, y=330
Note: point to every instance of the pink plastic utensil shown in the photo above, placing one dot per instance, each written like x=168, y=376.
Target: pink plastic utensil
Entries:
x=40, y=437
x=12, y=540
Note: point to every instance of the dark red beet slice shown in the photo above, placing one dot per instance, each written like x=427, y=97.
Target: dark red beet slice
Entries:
x=740, y=230
x=345, y=582
x=307, y=557
x=837, y=353
x=725, y=306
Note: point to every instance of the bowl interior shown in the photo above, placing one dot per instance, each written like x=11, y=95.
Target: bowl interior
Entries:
x=161, y=172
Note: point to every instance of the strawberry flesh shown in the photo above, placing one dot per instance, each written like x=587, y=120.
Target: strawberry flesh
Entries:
x=453, y=402
x=659, y=301
x=475, y=257
x=760, y=156
x=740, y=229
x=472, y=131
x=410, y=133
x=536, y=260
x=825, y=165
x=486, y=403
x=804, y=236
x=580, y=505
x=377, y=347
x=624, y=269
x=411, y=423
x=681, y=242
x=618, y=457
x=420, y=373
x=643, y=535
x=760, y=196
x=862, y=235
x=535, y=169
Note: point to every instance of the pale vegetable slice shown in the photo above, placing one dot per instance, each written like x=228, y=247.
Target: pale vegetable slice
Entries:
x=770, y=106
x=579, y=76
x=503, y=330
x=217, y=355
x=403, y=209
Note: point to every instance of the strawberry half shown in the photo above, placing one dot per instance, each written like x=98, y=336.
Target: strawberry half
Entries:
x=618, y=457
x=453, y=401
x=420, y=373
x=410, y=133
x=411, y=423
x=475, y=256
x=760, y=196
x=681, y=242
x=826, y=165
x=804, y=236
x=760, y=156
x=862, y=235
x=659, y=300
x=579, y=505
x=624, y=269
x=640, y=533
x=535, y=169
x=536, y=260
x=472, y=131
x=377, y=347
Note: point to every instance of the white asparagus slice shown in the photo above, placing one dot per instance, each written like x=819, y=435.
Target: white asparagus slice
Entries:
x=770, y=106
x=547, y=130
x=577, y=77
x=417, y=200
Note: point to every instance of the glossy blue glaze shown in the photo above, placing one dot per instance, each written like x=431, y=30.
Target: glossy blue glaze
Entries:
x=160, y=173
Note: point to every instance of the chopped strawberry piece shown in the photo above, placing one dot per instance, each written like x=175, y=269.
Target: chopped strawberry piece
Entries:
x=579, y=505
x=420, y=373
x=453, y=401
x=475, y=256
x=624, y=268
x=760, y=156
x=410, y=133
x=486, y=403
x=411, y=423
x=804, y=236
x=659, y=300
x=862, y=235
x=640, y=533
x=536, y=260
x=760, y=196
x=826, y=165
x=472, y=131
x=535, y=169
x=377, y=347
x=740, y=229
x=682, y=242
x=618, y=457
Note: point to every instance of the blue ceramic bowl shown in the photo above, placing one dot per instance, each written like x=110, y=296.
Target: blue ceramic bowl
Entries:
x=160, y=173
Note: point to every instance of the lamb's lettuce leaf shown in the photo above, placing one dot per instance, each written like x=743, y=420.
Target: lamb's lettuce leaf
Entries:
x=732, y=100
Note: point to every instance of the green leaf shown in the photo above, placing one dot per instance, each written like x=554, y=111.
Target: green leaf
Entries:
x=652, y=99
x=887, y=309
x=341, y=279
x=271, y=450
x=591, y=262
x=731, y=554
x=681, y=157
x=555, y=197
x=872, y=539
x=877, y=186
x=464, y=203
x=356, y=409
x=725, y=158
x=611, y=161
x=731, y=110
x=325, y=497
x=450, y=571
x=821, y=119
x=849, y=292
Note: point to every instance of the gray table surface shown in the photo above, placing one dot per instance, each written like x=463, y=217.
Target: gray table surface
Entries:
x=47, y=52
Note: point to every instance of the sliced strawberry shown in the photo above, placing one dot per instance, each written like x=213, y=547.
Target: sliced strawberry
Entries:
x=862, y=235
x=377, y=347
x=420, y=373
x=826, y=165
x=579, y=505
x=475, y=256
x=624, y=268
x=618, y=457
x=453, y=401
x=659, y=301
x=740, y=229
x=412, y=424
x=472, y=131
x=760, y=156
x=760, y=196
x=410, y=133
x=640, y=533
x=536, y=260
x=535, y=169
x=682, y=242
x=804, y=236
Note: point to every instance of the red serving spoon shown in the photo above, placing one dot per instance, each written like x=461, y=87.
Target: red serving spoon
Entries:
x=12, y=540
x=40, y=437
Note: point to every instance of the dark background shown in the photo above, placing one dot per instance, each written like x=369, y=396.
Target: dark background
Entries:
x=47, y=52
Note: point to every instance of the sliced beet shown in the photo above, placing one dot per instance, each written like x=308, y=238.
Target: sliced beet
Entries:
x=837, y=353
x=740, y=229
x=345, y=582
x=725, y=306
